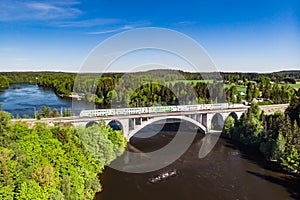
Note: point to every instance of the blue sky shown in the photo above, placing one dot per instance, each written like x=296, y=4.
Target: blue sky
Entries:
x=239, y=35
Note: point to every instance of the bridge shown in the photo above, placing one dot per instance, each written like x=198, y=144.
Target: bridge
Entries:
x=130, y=124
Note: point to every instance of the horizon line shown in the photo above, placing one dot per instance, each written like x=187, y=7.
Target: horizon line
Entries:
x=74, y=72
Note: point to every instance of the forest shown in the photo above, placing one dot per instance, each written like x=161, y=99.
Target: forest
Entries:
x=54, y=162
x=164, y=87
x=277, y=136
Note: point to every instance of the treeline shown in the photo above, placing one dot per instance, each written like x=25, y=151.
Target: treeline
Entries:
x=57, y=163
x=161, y=87
x=277, y=77
x=136, y=91
x=277, y=136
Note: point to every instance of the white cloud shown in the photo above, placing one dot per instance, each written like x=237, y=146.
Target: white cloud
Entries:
x=41, y=10
x=89, y=22
x=122, y=28
x=186, y=23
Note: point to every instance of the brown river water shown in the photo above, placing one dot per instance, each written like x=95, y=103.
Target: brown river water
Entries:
x=229, y=171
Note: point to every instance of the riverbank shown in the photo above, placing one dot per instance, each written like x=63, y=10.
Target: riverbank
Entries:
x=275, y=136
x=254, y=154
x=229, y=171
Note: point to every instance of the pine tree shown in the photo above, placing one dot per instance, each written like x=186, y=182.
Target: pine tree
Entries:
x=278, y=148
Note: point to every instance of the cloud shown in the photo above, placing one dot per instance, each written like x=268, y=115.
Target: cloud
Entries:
x=186, y=23
x=37, y=10
x=89, y=22
x=122, y=28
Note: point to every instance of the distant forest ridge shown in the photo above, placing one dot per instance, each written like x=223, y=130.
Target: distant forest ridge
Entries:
x=29, y=76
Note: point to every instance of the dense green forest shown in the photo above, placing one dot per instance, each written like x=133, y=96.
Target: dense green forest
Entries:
x=164, y=87
x=60, y=162
x=277, y=136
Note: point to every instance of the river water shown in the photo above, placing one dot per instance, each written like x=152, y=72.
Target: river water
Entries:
x=24, y=99
x=229, y=171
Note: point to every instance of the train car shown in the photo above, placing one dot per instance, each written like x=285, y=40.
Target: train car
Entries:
x=96, y=113
x=129, y=111
x=104, y=112
x=207, y=106
x=238, y=105
x=189, y=107
x=144, y=110
x=216, y=106
x=86, y=113
x=160, y=109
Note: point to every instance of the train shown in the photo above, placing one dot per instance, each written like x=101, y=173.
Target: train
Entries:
x=156, y=109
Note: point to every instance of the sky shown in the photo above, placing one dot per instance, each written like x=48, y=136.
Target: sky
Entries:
x=239, y=36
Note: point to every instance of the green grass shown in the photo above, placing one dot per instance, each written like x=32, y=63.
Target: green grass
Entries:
x=189, y=81
x=240, y=88
x=296, y=86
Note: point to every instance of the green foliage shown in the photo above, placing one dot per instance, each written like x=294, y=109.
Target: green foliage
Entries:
x=32, y=190
x=45, y=162
x=291, y=160
x=278, y=148
x=4, y=82
x=5, y=122
x=103, y=143
x=277, y=135
x=162, y=87
x=228, y=126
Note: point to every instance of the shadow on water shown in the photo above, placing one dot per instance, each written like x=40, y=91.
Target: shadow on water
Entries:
x=290, y=182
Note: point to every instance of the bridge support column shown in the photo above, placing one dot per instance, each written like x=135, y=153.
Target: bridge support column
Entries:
x=199, y=118
x=131, y=124
x=138, y=121
x=205, y=122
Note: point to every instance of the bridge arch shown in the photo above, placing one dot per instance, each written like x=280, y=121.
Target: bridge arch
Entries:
x=115, y=125
x=91, y=123
x=217, y=122
x=234, y=115
x=156, y=119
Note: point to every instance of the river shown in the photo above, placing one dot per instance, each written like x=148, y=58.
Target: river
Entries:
x=229, y=171
x=24, y=99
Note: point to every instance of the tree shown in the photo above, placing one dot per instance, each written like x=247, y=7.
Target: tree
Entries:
x=249, y=95
x=291, y=160
x=278, y=148
x=5, y=125
x=55, y=113
x=46, y=162
x=228, y=126
x=4, y=82
x=48, y=112
x=294, y=109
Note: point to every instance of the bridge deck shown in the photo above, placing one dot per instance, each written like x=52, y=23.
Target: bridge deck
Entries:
x=146, y=115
